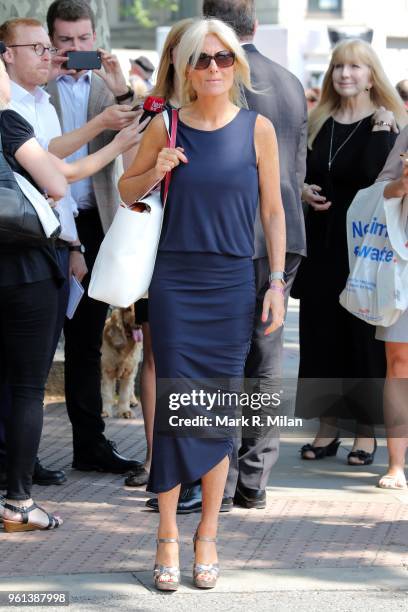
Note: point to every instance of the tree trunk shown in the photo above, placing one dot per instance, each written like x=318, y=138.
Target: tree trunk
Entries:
x=37, y=9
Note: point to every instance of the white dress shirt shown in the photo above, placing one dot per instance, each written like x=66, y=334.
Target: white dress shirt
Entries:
x=74, y=97
x=37, y=109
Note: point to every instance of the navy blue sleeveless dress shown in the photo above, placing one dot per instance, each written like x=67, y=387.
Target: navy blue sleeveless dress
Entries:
x=202, y=295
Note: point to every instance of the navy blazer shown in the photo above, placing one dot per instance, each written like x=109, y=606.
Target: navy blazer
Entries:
x=282, y=100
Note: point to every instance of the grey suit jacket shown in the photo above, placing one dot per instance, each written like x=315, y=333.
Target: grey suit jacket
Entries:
x=282, y=100
x=105, y=181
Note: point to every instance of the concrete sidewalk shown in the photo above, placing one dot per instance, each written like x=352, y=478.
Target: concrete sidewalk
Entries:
x=328, y=537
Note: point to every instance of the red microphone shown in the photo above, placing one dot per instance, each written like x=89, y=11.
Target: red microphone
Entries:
x=152, y=106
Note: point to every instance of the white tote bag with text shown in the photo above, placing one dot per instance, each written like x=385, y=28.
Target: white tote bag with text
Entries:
x=377, y=286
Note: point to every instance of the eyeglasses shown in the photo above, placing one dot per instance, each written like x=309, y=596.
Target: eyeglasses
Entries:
x=223, y=59
x=39, y=48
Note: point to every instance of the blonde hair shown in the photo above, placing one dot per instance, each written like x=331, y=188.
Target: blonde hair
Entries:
x=191, y=46
x=382, y=93
x=164, y=87
x=3, y=103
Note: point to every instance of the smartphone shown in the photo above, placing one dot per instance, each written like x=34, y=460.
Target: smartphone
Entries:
x=83, y=60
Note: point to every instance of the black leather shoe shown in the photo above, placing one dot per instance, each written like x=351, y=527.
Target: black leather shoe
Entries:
x=152, y=504
x=250, y=498
x=44, y=477
x=190, y=500
x=227, y=504
x=137, y=478
x=105, y=458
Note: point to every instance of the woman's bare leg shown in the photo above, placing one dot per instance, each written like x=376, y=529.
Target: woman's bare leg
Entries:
x=213, y=484
x=396, y=410
x=167, y=553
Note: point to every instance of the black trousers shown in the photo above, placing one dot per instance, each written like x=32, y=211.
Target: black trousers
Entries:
x=83, y=340
x=5, y=392
x=27, y=322
x=254, y=457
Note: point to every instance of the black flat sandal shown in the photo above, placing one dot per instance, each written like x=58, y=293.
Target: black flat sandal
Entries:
x=320, y=452
x=364, y=456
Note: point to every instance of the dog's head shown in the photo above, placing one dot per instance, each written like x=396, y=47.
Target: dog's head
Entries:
x=120, y=327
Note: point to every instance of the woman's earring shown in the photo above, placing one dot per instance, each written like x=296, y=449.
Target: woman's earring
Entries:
x=367, y=88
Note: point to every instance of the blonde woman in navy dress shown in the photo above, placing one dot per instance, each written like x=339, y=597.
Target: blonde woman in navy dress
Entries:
x=202, y=296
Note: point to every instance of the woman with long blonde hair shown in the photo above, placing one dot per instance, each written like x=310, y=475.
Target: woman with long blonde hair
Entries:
x=167, y=82
x=166, y=87
x=202, y=295
x=351, y=132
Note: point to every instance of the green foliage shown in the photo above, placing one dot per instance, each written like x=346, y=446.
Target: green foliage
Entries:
x=142, y=10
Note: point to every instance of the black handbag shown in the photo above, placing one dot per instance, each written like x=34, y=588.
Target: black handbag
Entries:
x=19, y=222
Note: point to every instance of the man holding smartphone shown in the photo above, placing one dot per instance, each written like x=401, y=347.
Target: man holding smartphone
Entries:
x=78, y=96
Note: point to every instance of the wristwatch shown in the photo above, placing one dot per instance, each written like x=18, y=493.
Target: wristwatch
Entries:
x=273, y=276
x=78, y=248
x=125, y=96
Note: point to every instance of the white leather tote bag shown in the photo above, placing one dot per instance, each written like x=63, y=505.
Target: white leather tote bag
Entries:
x=124, y=265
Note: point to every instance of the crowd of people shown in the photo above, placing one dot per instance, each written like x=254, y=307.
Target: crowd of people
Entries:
x=256, y=212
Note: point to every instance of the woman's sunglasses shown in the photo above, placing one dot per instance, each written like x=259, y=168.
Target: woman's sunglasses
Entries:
x=223, y=59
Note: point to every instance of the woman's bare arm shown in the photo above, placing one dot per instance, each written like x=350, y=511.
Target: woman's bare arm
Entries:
x=142, y=173
x=39, y=164
x=271, y=208
x=399, y=187
x=151, y=163
x=272, y=215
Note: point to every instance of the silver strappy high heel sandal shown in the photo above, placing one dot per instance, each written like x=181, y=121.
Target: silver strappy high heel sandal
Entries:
x=166, y=577
x=211, y=571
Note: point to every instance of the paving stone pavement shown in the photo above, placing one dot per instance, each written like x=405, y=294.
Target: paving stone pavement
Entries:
x=319, y=516
x=108, y=529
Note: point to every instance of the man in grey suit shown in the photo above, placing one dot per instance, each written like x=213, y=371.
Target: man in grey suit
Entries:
x=79, y=98
x=283, y=101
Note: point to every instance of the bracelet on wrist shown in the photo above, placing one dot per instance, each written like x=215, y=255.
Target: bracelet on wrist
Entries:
x=275, y=287
x=126, y=96
x=383, y=124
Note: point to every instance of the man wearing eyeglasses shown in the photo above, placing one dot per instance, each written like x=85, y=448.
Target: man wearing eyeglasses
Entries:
x=29, y=61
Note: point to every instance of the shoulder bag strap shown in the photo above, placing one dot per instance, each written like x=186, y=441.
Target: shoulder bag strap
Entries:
x=171, y=144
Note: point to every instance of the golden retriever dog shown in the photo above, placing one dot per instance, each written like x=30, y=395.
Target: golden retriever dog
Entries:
x=121, y=354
